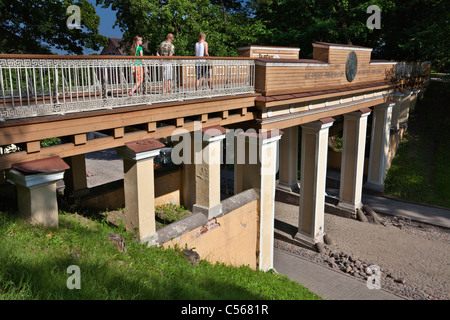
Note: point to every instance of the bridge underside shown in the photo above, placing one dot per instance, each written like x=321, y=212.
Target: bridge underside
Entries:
x=288, y=96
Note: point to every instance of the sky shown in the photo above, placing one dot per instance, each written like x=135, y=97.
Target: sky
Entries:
x=107, y=19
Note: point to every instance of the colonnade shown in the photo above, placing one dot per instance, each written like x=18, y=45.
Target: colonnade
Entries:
x=277, y=152
x=313, y=161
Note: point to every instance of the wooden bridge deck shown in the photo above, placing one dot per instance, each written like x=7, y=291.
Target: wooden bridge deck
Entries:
x=277, y=94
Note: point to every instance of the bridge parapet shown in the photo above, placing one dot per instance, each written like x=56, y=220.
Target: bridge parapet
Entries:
x=37, y=85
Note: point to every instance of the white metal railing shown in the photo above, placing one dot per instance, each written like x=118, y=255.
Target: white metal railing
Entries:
x=31, y=87
x=412, y=69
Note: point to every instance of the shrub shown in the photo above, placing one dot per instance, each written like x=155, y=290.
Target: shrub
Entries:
x=170, y=212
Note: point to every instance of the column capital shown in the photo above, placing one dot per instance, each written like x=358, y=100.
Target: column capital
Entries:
x=33, y=180
x=264, y=136
x=140, y=150
x=319, y=124
x=408, y=92
x=397, y=95
x=35, y=173
x=213, y=133
x=359, y=113
x=385, y=105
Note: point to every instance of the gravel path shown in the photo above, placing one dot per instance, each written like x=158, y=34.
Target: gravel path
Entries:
x=414, y=257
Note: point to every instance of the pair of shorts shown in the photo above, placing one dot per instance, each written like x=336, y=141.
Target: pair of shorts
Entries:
x=203, y=71
x=167, y=71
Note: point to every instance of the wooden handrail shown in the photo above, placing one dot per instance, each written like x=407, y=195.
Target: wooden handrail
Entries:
x=101, y=57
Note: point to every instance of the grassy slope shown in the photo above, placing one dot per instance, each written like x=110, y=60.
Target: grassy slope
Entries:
x=420, y=170
x=34, y=262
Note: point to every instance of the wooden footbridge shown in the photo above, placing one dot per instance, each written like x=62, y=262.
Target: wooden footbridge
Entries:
x=68, y=97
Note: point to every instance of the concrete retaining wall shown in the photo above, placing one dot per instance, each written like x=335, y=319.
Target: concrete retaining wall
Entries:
x=231, y=238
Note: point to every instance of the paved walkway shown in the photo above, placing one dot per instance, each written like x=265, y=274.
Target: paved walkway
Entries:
x=327, y=283
x=423, y=213
x=427, y=214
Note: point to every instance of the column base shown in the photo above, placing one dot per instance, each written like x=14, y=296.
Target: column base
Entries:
x=208, y=212
x=306, y=240
x=151, y=240
x=349, y=207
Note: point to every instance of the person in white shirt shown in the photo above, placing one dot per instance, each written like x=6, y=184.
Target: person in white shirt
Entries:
x=201, y=50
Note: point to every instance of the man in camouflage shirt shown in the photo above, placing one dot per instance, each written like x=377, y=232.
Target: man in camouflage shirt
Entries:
x=167, y=49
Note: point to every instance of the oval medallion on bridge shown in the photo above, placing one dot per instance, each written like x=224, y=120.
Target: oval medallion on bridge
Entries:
x=351, y=66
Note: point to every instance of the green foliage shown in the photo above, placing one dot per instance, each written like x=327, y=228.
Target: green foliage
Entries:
x=170, y=212
x=49, y=142
x=418, y=30
x=420, y=170
x=410, y=30
x=34, y=26
x=226, y=24
x=34, y=262
x=301, y=22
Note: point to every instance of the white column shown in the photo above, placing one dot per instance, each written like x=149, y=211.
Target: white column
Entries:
x=139, y=190
x=207, y=162
x=313, y=169
x=379, y=146
x=414, y=97
x=352, y=164
x=404, y=107
x=288, y=159
x=395, y=123
x=260, y=152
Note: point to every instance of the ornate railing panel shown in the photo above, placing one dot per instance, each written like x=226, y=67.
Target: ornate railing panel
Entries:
x=406, y=70
x=31, y=87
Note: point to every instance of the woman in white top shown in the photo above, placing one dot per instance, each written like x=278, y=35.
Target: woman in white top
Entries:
x=201, y=50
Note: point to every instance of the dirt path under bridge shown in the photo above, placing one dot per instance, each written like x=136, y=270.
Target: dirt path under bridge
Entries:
x=414, y=257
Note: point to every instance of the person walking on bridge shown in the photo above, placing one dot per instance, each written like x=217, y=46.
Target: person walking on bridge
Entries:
x=137, y=69
x=167, y=49
x=201, y=50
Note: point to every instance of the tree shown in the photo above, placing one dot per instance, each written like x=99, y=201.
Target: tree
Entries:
x=411, y=30
x=225, y=22
x=299, y=23
x=418, y=31
x=35, y=26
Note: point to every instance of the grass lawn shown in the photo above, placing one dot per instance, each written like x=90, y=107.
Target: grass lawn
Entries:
x=420, y=171
x=34, y=262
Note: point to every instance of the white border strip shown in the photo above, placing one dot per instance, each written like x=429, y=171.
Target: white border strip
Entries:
x=340, y=48
x=381, y=63
x=269, y=48
x=313, y=111
x=290, y=64
x=33, y=181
